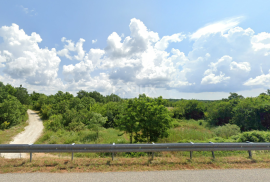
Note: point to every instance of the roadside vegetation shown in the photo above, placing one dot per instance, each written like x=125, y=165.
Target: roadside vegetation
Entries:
x=175, y=161
x=90, y=117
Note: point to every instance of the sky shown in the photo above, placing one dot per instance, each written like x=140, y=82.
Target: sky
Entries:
x=174, y=49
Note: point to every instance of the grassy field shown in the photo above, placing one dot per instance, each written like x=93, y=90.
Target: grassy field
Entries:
x=183, y=132
x=7, y=135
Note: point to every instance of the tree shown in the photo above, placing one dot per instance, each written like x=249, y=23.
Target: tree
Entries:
x=22, y=95
x=146, y=117
x=97, y=96
x=82, y=93
x=128, y=120
x=96, y=122
x=194, y=109
x=235, y=96
x=268, y=91
x=219, y=113
x=12, y=112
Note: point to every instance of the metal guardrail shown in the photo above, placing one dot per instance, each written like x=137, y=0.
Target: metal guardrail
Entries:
x=112, y=148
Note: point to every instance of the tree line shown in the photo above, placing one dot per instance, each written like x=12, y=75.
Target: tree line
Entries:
x=144, y=119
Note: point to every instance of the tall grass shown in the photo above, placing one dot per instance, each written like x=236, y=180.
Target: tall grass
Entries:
x=82, y=137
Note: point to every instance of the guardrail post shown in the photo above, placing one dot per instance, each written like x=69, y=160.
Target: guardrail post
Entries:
x=153, y=152
x=72, y=153
x=191, y=152
x=249, y=151
x=113, y=153
x=213, y=154
x=31, y=154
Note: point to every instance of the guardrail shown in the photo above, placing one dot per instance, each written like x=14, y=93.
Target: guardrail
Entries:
x=112, y=148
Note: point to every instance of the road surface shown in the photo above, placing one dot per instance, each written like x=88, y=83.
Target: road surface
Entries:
x=234, y=175
x=30, y=134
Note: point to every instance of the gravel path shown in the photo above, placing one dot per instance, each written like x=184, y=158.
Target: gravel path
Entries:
x=30, y=134
x=234, y=175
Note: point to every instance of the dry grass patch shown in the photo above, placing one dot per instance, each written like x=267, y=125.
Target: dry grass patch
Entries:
x=63, y=165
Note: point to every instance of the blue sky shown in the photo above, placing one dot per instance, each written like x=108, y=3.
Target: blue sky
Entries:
x=177, y=49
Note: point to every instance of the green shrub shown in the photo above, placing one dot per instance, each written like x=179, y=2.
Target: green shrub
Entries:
x=54, y=123
x=253, y=136
x=227, y=130
x=175, y=123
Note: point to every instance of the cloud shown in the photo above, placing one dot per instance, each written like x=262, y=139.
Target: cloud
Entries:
x=223, y=58
x=71, y=46
x=213, y=79
x=25, y=60
x=220, y=26
x=28, y=11
x=164, y=42
x=94, y=41
x=261, y=80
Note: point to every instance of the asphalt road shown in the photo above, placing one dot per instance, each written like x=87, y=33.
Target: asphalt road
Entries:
x=155, y=176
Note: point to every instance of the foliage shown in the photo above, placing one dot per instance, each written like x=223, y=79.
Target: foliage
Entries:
x=189, y=109
x=227, y=130
x=253, y=136
x=12, y=112
x=146, y=117
x=219, y=113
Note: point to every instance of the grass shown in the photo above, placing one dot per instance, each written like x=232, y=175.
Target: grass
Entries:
x=7, y=135
x=188, y=130
x=174, y=161
x=86, y=136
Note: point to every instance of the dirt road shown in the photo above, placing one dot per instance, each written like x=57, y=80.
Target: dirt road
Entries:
x=30, y=134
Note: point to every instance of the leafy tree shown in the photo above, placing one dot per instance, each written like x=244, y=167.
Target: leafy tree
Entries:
x=128, y=120
x=12, y=112
x=82, y=93
x=87, y=102
x=10, y=90
x=97, y=96
x=268, y=91
x=22, y=95
x=146, y=117
x=235, y=96
x=245, y=115
x=219, y=113
x=194, y=110
x=96, y=122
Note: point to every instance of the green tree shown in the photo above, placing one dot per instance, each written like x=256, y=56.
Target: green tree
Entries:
x=194, y=109
x=22, y=95
x=96, y=122
x=219, y=113
x=148, y=118
x=235, y=96
x=128, y=120
x=12, y=112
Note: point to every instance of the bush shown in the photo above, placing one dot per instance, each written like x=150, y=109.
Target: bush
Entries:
x=175, y=123
x=227, y=130
x=54, y=123
x=253, y=136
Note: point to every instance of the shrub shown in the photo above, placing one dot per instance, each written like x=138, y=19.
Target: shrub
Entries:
x=54, y=123
x=227, y=130
x=253, y=136
x=175, y=124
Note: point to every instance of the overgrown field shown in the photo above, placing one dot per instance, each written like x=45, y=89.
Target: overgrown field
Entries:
x=184, y=131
